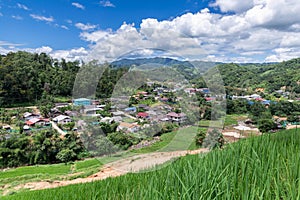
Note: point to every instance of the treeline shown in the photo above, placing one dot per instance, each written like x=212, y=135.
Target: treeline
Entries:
x=25, y=76
x=269, y=76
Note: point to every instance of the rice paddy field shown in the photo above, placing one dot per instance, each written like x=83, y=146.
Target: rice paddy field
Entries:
x=264, y=167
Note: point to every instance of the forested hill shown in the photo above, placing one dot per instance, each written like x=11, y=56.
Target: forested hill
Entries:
x=269, y=76
x=24, y=76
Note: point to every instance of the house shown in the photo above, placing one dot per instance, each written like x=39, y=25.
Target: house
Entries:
x=176, y=117
x=128, y=127
x=255, y=96
x=6, y=127
x=117, y=113
x=38, y=121
x=142, y=93
x=190, y=90
x=62, y=119
x=72, y=113
x=142, y=115
x=27, y=116
x=130, y=109
x=82, y=102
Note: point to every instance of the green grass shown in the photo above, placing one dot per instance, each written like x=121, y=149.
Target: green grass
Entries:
x=16, y=176
x=243, y=170
x=176, y=140
x=233, y=119
x=56, y=169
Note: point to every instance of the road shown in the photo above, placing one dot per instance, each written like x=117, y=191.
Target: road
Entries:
x=54, y=126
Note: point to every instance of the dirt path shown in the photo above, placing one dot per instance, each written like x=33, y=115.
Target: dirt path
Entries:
x=117, y=168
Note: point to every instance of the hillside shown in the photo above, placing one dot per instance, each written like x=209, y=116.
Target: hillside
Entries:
x=243, y=170
x=269, y=76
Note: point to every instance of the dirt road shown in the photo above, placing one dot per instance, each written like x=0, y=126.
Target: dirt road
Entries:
x=117, y=168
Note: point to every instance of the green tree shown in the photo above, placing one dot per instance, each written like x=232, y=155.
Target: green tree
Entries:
x=199, y=138
x=214, y=139
x=265, y=125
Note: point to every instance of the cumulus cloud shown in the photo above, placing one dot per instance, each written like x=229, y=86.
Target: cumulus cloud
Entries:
x=22, y=6
x=251, y=31
x=233, y=5
x=106, y=3
x=43, y=49
x=42, y=18
x=85, y=27
x=70, y=55
x=78, y=5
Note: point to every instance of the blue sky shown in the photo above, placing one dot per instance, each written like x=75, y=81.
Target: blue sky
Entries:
x=216, y=30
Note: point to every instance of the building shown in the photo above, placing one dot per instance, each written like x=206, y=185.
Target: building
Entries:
x=130, y=109
x=27, y=116
x=176, y=117
x=128, y=127
x=38, y=121
x=82, y=102
x=62, y=119
x=142, y=115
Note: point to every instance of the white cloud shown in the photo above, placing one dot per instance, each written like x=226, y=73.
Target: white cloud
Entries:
x=253, y=31
x=22, y=6
x=43, y=49
x=85, y=27
x=5, y=43
x=17, y=17
x=78, y=5
x=106, y=3
x=64, y=27
x=70, y=55
x=233, y=5
x=1, y=14
x=42, y=18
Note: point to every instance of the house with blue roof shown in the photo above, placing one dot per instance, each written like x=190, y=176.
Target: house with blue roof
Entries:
x=82, y=102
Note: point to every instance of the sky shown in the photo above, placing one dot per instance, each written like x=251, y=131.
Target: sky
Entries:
x=210, y=30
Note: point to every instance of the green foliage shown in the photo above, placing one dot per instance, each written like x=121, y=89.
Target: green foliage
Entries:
x=41, y=148
x=122, y=140
x=266, y=125
x=66, y=155
x=214, y=139
x=200, y=137
x=269, y=76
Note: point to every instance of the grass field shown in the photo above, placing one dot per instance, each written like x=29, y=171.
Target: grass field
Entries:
x=177, y=140
x=243, y=170
x=12, y=177
x=181, y=140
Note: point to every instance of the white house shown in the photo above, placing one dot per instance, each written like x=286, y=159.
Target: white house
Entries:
x=62, y=119
x=129, y=127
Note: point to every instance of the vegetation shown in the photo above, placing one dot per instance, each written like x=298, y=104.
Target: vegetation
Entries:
x=43, y=147
x=269, y=76
x=16, y=176
x=243, y=170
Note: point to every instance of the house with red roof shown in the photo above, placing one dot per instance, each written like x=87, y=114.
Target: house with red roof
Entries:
x=143, y=115
x=38, y=121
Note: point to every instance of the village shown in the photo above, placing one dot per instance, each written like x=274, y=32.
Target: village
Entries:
x=156, y=104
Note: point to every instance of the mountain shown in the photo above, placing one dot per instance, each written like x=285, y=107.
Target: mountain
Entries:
x=189, y=69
